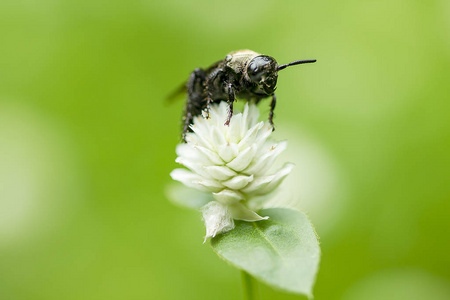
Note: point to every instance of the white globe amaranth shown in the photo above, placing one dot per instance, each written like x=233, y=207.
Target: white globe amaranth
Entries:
x=231, y=162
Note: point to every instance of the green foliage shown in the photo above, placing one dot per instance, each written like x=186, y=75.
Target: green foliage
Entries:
x=187, y=197
x=282, y=251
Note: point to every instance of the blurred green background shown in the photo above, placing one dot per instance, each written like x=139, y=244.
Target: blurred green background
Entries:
x=87, y=144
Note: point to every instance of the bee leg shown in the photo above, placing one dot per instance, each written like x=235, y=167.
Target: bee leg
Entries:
x=272, y=107
x=208, y=96
x=207, y=87
x=187, y=121
x=231, y=99
x=193, y=102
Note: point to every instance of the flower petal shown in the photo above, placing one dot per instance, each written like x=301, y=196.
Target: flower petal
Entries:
x=220, y=172
x=196, y=138
x=265, y=161
x=188, y=152
x=228, y=196
x=188, y=179
x=240, y=212
x=244, y=120
x=253, y=115
x=219, y=114
x=193, y=166
x=238, y=182
x=217, y=137
x=263, y=134
x=212, y=156
x=279, y=176
x=228, y=151
x=212, y=185
x=250, y=136
x=243, y=159
x=258, y=183
x=234, y=130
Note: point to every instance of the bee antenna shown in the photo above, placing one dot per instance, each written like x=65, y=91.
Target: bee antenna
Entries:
x=297, y=62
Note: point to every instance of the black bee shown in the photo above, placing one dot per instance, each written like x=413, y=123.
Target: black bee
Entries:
x=242, y=74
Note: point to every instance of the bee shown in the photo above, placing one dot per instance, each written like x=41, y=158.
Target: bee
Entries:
x=243, y=74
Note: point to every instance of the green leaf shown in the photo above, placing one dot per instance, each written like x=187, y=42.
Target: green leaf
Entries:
x=282, y=251
x=180, y=195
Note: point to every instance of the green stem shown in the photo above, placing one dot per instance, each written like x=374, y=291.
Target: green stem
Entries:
x=249, y=286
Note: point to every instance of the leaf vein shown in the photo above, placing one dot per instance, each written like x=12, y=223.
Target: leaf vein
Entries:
x=268, y=241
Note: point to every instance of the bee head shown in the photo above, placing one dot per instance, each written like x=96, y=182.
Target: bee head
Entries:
x=263, y=72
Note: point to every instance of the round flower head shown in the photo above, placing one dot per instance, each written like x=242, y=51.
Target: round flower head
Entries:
x=231, y=162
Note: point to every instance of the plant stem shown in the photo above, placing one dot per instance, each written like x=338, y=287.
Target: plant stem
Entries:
x=249, y=287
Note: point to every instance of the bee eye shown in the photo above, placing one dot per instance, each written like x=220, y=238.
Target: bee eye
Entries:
x=260, y=67
x=255, y=70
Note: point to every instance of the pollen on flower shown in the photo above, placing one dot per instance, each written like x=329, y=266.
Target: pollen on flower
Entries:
x=231, y=162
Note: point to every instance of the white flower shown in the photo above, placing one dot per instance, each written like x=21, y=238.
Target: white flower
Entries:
x=231, y=162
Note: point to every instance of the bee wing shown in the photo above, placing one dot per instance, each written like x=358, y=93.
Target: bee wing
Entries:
x=172, y=97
